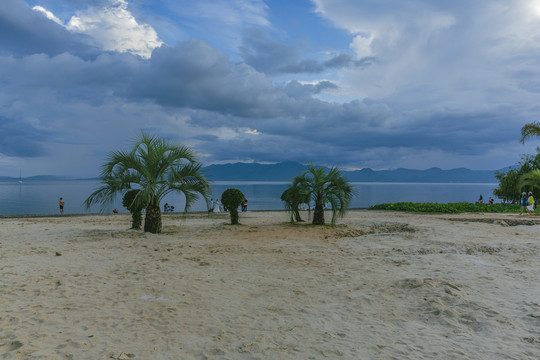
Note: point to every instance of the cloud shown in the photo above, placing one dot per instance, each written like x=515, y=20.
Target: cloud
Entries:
x=194, y=74
x=115, y=29
x=25, y=31
x=108, y=27
x=273, y=58
x=413, y=91
x=197, y=95
x=49, y=15
x=219, y=22
x=20, y=139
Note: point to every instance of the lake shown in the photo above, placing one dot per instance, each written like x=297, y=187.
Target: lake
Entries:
x=41, y=196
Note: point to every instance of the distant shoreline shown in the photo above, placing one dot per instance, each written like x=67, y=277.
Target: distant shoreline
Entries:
x=176, y=214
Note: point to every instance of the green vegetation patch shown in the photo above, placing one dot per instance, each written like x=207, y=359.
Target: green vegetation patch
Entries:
x=450, y=208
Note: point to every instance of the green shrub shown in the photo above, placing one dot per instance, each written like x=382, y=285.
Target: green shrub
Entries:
x=449, y=208
x=232, y=199
x=136, y=211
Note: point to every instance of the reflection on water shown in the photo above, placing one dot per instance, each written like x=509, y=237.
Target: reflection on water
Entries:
x=41, y=196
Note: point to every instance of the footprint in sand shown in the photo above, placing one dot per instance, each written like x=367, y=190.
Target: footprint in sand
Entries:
x=12, y=346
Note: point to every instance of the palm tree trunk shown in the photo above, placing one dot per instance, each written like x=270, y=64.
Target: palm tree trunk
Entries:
x=318, y=213
x=152, y=220
x=297, y=214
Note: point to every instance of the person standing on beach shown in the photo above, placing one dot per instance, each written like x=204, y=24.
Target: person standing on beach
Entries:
x=61, y=204
x=523, y=202
x=530, y=204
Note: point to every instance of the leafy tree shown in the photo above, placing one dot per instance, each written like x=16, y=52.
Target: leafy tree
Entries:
x=232, y=199
x=530, y=179
x=156, y=167
x=293, y=197
x=530, y=130
x=509, y=188
x=128, y=201
x=321, y=187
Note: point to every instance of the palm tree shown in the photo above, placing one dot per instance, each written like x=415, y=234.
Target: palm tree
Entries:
x=321, y=187
x=530, y=179
x=530, y=130
x=293, y=197
x=156, y=167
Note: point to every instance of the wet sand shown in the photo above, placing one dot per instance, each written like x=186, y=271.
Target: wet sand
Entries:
x=379, y=285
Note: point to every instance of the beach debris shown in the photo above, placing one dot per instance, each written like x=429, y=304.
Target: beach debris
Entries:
x=58, y=253
x=123, y=356
x=14, y=345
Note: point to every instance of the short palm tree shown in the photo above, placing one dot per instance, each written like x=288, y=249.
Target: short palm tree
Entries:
x=530, y=130
x=156, y=167
x=293, y=197
x=321, y=186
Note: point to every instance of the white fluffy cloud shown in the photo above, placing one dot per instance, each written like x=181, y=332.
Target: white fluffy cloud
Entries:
x=49, y=15
x=112, y=28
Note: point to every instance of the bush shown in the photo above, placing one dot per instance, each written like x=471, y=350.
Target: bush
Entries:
x=509, y=188
x=232, y=199
x=136, y=212
x=450, y=208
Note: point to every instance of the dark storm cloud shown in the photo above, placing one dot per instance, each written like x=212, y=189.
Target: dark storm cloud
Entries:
x=203, y=137
x=271, y=57
x=346, y=60
x=344, y=141
x=20, y=139
x=214, y=92
x=203, y=86
x=193, y=74
x=266, y=55
x=25, y=31
x=297, y=90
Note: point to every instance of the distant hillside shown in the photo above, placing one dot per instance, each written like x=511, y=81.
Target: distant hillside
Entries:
x=254, y=172
x=433, y=175
x=286, y=170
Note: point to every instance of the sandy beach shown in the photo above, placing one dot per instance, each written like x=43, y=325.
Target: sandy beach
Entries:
x=378, y=285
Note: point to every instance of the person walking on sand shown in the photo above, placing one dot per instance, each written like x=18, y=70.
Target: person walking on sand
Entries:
x=530, y=204
x=523, y=202
x=61, y=204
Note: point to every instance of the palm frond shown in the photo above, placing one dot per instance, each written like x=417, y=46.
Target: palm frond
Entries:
x=321, y=186
x=156, y=167
x=530, y=130
x=531, y=179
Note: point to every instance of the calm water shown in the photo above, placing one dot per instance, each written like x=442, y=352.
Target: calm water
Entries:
x=41, y=197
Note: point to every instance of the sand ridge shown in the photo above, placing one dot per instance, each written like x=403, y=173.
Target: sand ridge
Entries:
x=377, y=285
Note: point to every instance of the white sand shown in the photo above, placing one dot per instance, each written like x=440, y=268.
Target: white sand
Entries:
x=455, y=288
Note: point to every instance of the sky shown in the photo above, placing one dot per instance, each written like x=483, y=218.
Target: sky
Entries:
x=351, y=83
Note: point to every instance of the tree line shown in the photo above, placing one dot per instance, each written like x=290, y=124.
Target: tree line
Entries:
x=525, y=176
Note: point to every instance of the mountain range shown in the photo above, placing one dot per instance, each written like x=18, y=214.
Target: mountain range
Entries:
x=285, y=171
